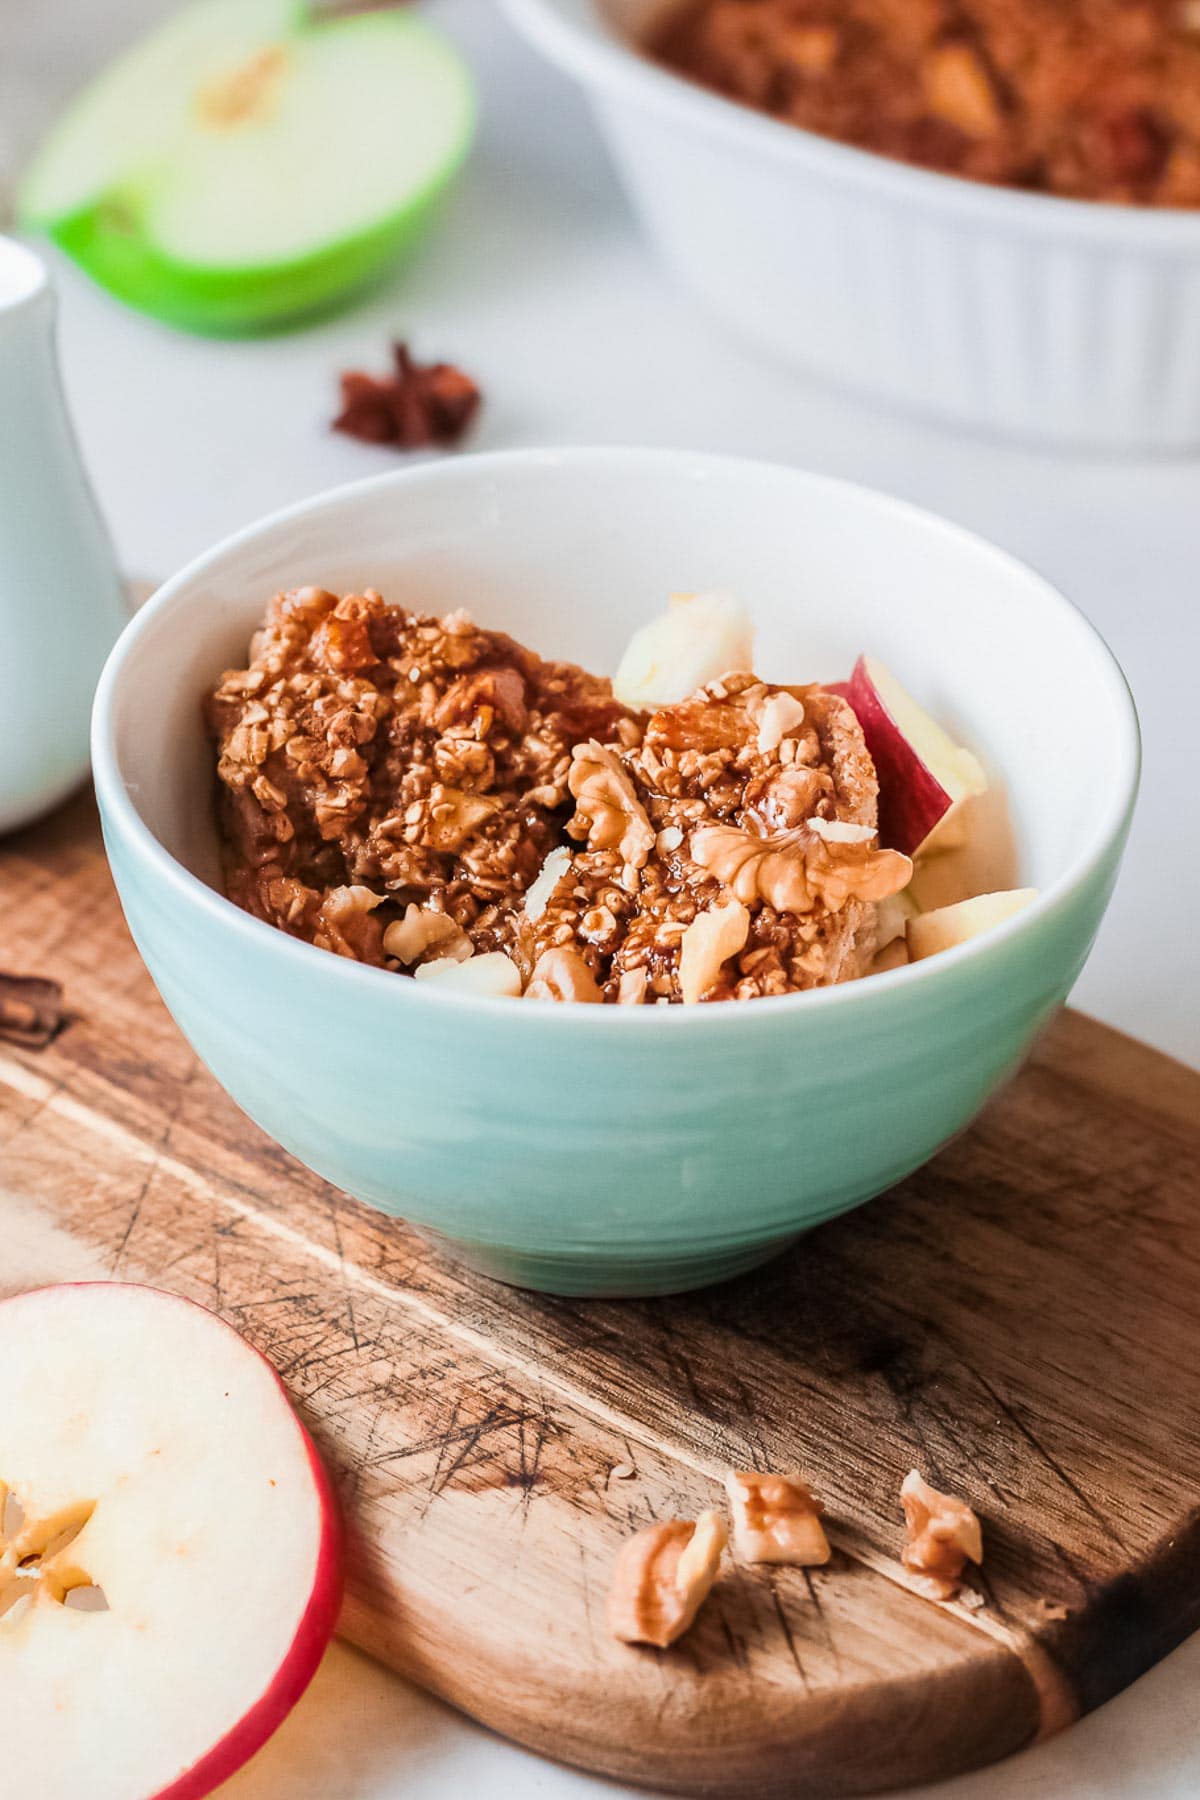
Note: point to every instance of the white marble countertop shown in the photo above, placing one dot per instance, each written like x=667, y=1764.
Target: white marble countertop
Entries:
x=537, y=282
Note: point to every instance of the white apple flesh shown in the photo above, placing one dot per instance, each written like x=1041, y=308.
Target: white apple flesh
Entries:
x=894, y=955
x=698, y=639
x=925, y=778
x=892, y=915
x=932, y=932
x=158, y=1454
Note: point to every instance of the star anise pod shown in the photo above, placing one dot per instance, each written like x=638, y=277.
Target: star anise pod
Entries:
x=417, y=405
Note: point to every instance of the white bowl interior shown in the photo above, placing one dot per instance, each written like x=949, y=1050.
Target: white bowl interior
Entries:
x=571, y=551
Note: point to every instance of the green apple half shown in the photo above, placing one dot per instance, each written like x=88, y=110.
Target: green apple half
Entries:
x=245, y=165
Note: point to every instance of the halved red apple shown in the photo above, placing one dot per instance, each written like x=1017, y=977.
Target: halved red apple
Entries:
x=170, y=1564
x=925, y=778
x=931, y=932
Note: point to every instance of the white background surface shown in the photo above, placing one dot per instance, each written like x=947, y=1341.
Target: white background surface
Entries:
x=537, y=283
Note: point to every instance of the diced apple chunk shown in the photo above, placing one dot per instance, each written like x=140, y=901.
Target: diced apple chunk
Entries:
x=925, y=778
x=893, y=955
x=492, y=975
x=932, y=932
x=539, y=891
x=698, y=639
x=892, y=916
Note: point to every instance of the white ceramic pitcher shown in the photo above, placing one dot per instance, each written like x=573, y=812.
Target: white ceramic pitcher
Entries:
x=61, y=601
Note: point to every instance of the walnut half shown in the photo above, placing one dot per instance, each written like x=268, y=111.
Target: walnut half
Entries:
x=791, y=870
x=422, y=930
x=943, y=1536
x=776, y=1519
x=561, y=974
x=662, y=1577
x=608, y=812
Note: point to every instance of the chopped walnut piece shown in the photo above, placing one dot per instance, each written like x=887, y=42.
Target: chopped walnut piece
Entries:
x=943, y=1536
x=781, y=716
x=455, y=815
x=476, y=700
x=562, y=974
x=776, y=1519
x=418, y=404
x=662, y=1578
x=421, y=930
x=608, y=811
x=31, y=1010
x=345, y=925
x=707, y=944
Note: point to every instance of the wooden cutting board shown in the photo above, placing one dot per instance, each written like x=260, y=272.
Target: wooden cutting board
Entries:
x=1021, y=1321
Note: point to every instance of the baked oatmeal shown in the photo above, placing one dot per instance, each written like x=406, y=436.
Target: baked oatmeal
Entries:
x=390, y=784
x=1091, y=99
x=435, y=799
x=729, y=855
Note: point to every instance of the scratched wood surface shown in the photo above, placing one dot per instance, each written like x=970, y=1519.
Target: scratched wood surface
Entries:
x=1020, y=1321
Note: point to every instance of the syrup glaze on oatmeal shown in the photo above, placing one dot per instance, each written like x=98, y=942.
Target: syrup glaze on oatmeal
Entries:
x=370, y=758
x=391, y=785
x=721, y=814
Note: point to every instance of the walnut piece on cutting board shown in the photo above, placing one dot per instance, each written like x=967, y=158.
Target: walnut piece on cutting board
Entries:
x=943, y=1536
x=662, y=1577
x=776, y=1519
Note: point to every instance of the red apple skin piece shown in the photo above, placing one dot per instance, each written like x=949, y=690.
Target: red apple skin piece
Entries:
x=911, y=798
x=317, y=1624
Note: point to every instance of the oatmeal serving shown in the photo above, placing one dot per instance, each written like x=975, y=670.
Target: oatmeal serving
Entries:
x=1091, y=99
x=372, y=761
x=432, y=798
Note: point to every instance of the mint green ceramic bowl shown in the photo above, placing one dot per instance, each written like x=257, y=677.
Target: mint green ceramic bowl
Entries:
x=589, y=1150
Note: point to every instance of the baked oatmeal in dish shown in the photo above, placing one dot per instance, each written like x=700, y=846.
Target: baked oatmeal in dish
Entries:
x=1089, y=99
x=435, y=799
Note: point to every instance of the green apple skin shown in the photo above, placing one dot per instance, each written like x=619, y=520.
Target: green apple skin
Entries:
x=106, y=239
x=108, y=245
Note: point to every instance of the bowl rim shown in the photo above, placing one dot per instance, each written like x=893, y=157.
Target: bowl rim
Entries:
x=599, y=56
x=120, y=815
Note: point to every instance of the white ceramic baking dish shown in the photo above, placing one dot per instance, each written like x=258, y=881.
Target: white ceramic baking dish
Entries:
x=1015, y=313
